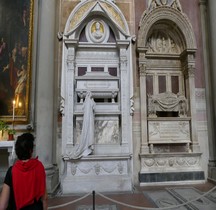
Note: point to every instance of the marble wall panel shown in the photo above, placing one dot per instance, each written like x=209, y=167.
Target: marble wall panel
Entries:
x=107, y=131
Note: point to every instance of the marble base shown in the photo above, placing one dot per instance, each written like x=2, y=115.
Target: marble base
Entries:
x=212, y=173
x=52, y=179
x=170, y=167
x=171, y=177
x=98, y=173
x=97, y=184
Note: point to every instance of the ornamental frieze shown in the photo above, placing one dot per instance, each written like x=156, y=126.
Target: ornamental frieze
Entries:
x=98, y=168
x=170, y=162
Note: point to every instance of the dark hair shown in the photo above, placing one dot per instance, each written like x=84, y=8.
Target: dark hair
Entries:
x=24, y=146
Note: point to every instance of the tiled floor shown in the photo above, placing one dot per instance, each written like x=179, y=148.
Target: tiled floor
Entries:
x=137, y=198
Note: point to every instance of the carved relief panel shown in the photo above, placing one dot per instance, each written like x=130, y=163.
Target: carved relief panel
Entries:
x=162, y=43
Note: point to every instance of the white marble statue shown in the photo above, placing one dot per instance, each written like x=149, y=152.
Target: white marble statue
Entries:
x=97, y=32
x=85, y=146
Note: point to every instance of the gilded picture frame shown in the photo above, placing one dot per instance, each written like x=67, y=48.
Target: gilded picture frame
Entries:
x=16, y=36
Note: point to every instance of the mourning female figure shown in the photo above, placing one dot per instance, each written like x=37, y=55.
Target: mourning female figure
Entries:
x=85, y=145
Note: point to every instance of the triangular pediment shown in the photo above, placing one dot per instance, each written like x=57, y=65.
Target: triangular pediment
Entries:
x=99, y=7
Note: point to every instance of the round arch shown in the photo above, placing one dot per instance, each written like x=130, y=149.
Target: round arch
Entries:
x=172, y=17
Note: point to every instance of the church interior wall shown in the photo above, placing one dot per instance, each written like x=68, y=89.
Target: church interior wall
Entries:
x=194, y=18
x=132, y=10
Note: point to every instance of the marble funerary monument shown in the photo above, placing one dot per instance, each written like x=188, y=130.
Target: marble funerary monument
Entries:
x=170, y=150
x=121, y=92
x=96, y=60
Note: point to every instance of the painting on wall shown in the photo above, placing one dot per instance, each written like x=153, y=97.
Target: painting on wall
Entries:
x=16, y=21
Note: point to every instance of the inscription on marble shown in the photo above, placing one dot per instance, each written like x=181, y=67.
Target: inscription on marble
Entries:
x=83, y=84
x=97, y=84
x=169, y=131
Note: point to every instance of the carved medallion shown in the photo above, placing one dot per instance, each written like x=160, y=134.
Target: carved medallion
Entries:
x=97, y=31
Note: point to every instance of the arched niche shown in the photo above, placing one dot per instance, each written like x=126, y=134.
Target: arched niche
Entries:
x=177, y=21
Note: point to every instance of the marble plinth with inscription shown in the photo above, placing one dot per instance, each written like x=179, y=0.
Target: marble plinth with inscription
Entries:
x=170, y=158
x=169, y=135
x=169, y=132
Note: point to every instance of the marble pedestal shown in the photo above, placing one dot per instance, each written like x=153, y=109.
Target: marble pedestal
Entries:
x=176, y=168
x=7, y=157
x=100, y=173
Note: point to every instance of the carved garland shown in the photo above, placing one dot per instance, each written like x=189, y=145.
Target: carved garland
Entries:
x=97, y=168
x=170, y=162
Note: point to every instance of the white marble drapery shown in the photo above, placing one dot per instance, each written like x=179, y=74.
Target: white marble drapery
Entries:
x=85, y=146
x=167, y=101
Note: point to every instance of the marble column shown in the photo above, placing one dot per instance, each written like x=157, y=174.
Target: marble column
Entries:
x=208, y=17
x=46, y=38
x=190, y=84
x=144, y=137
x=124, y=94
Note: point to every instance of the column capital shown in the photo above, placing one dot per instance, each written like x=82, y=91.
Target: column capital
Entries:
x=142, y=69
x=203, y=2
x=191, y=70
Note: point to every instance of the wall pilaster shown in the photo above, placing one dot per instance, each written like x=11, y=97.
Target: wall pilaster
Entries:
x=45, y=69
x=207, y=11
x=144, y=138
